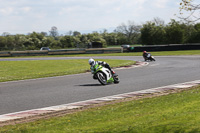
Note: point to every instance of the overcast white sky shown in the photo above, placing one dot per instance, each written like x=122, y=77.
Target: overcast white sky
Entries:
x=26, y=16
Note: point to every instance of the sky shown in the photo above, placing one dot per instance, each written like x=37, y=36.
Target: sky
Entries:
x=85, y=16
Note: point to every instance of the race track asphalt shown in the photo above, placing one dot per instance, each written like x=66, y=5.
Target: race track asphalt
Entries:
x=38, y=93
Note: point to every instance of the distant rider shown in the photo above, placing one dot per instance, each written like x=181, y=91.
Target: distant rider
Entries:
x=146, y=55
x=92, y=63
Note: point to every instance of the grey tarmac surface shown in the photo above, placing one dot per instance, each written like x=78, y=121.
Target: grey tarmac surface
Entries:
x=39, y=93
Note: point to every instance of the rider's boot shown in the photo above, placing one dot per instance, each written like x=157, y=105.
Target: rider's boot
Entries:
x=112, y=72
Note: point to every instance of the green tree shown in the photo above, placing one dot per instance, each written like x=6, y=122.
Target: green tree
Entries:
x=52, y=43
x=18, y=42
x=38, y=40
x=110, y=38
x=195, y=36
x=96, y=37
x=152, y=34
x=35, y=41
x=174, y=33
x=188, y=31
x=2, y=43
x=84, y=39
x=10, y=42
x=76, y=33
x=67, y=42
x=122, y=39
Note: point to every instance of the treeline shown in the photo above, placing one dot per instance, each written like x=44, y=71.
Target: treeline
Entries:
x=173, y=33
x=154, y=32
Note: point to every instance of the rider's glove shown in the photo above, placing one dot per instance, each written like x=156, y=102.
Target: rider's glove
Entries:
x=92, y=71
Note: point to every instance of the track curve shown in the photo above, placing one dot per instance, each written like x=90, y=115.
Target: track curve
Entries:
x=38, y=93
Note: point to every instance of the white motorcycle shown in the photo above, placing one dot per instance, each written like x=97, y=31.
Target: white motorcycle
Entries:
x=104, y=75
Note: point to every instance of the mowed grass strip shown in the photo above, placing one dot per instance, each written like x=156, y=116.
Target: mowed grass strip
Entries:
x=20, y=70
x=178, y=112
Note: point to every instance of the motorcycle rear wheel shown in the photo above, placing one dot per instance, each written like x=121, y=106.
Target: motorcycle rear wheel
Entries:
x=152, y=59
x=116, y=79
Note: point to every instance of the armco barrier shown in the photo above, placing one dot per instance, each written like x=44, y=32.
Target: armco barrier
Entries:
x=4, y=54
x=103, y=50
x=113, y=50
x=38, y=52
x=66, y=51
x=169, y=47
x=61, y=52
x=29, y=53
x=94, y=51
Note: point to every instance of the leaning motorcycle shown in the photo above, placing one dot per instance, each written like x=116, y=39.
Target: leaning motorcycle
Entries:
x=149, y=57
x=104, y=75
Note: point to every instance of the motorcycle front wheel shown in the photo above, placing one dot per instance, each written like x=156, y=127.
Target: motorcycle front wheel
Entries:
x=101, y=78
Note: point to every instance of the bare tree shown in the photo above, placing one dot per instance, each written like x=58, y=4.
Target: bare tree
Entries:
x=5, y=34
x=192, y=10
x=158, y=21
x=54, y=31
x=131, y=30
x=69, y=33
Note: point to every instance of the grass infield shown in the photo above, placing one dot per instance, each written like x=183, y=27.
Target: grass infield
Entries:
x=21, y=70
x=177, y=112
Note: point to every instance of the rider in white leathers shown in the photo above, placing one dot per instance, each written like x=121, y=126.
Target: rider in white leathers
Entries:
x=92, y=63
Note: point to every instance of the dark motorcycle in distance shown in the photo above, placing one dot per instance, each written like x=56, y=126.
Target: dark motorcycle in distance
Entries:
x=149, y=57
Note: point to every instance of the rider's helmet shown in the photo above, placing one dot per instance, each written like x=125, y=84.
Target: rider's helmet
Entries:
x=91, y=62
x=144, y=51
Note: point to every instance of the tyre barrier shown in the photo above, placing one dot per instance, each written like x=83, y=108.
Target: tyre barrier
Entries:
x=103, y=50
x=28, y=53
x=65, y=52
x=4, y=54
x=60, y=52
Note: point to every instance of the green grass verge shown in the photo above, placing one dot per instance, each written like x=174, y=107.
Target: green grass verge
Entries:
x=178, y=112
x=20, y=70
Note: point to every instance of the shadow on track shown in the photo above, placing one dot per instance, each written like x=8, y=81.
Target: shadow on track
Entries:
x=91, y=85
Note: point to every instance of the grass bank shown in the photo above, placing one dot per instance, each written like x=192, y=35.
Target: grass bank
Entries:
x=20, y=70
x=178, y=112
